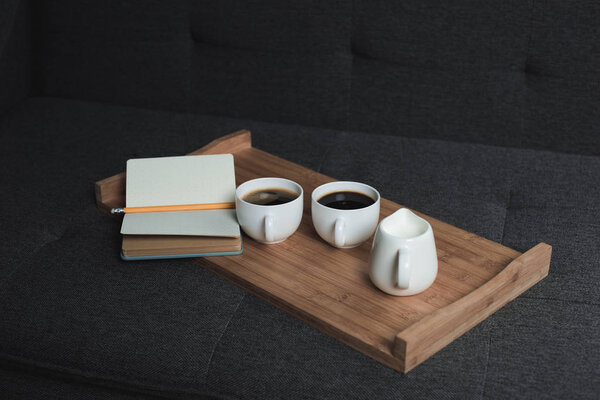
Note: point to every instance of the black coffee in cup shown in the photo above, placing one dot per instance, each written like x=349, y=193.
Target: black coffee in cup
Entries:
x=346, y=200
x=270, y=196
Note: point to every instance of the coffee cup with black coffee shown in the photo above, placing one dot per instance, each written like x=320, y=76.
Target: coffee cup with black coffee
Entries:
x=345, y=214
x=269, y=210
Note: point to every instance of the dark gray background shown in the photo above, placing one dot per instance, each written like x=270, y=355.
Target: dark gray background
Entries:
x=482, y=114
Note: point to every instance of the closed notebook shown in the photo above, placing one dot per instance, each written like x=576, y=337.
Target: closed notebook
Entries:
x=172, y=181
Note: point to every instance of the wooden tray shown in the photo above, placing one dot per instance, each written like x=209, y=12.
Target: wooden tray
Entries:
x=330, y=288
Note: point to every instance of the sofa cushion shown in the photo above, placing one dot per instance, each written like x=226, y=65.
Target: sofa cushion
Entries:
x=68, y=301
x=71, y=306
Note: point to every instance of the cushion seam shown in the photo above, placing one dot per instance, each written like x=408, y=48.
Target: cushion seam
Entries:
x=487, y=362
x=212, y=353
x=23, y=263
x=95, y=378
x=319, y=128
x=506, y=213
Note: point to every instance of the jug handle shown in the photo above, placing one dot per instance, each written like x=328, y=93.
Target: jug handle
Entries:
x=339, y=235
x=403, y=275
x=269, y=222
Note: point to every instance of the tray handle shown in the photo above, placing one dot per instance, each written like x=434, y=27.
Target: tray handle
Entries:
x=110, y=192
x=424, y=338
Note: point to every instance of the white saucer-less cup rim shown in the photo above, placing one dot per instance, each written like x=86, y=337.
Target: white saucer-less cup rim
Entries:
x=345, y=228
x=269, y=224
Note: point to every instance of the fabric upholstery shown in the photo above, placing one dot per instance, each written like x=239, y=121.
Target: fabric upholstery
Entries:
x=21, y=383
x=511, y=73
x=289, y=60
x=15, y=52
x=115, y=51
x=72, y=308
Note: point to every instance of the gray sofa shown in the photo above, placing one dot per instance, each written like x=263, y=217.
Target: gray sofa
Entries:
x=481, y=114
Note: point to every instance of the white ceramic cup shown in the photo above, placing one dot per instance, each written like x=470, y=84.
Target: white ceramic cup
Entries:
x=269, y=224
x=345, y=228
x=403, y=258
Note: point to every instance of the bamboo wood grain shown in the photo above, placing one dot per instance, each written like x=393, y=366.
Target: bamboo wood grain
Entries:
x=330, y=288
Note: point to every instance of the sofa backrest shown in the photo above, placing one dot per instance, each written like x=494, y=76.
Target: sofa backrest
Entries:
x=511, y=72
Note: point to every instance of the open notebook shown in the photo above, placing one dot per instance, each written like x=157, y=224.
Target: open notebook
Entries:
x=170, y=181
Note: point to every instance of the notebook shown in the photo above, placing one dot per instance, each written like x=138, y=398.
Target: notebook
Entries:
x=169, y=181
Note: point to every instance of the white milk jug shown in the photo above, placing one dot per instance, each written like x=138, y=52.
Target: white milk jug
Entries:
x=403, y=258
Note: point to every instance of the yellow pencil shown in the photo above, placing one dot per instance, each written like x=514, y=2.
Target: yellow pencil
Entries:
x=181, y=207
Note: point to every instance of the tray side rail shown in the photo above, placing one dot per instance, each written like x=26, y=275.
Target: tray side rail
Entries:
x=418, y=342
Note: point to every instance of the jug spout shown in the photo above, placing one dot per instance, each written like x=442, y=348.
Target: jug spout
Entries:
x=404, y=224
x=406, y=216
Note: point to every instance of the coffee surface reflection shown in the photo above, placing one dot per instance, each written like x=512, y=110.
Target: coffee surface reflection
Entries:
x=346, y=200
x=270, y=196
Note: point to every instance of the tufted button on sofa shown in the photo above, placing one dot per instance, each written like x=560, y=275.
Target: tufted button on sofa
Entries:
x=481, y=114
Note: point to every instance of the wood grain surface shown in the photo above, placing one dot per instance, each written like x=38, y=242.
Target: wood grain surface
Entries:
x=329, y=288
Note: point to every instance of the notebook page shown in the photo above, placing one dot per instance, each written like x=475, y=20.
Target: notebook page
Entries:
x=180, y=180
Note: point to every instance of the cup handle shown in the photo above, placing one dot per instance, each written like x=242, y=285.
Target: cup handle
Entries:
x=403, y=276
x=339, y=235
x=269, y=222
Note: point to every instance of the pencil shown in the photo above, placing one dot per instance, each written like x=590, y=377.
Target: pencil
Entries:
x=181, y=207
